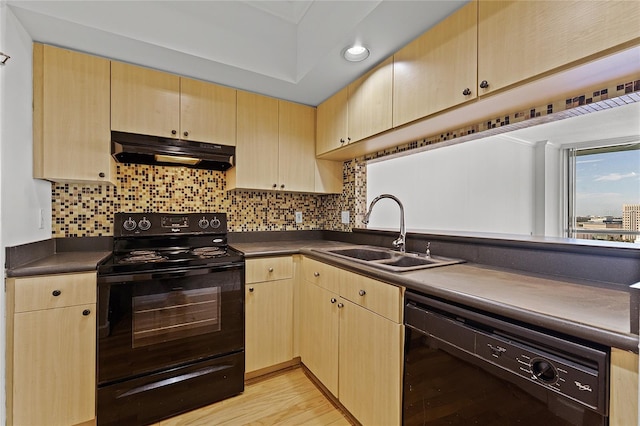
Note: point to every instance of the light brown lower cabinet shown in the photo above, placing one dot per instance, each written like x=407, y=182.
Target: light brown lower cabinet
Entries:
x=352, y=341
x=623, y=407
x=51, y=349
x=268, y=312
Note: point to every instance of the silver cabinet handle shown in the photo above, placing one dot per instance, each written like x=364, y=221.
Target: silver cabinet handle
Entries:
x=316, y=274
x=340, y=305
x=333, y=300
x=250, y=289
x=270, y=269
x=362, y=292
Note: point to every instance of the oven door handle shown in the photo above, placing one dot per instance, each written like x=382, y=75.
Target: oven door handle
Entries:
x=147, y=276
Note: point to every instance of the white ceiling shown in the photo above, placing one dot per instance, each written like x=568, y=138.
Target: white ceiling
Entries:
x=290, y=49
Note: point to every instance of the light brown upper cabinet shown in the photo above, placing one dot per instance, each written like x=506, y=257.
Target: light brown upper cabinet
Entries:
x=156, y=103
x=332, y=122
x=437, y=70
x=370, y=102
x=71, y=133
x=207, y=112
x=360, y=110
x=518, y=40
x=275, y=148
x=296, y=141
x=257, y=143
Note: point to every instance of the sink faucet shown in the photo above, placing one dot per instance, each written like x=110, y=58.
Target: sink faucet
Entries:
x=399, y=242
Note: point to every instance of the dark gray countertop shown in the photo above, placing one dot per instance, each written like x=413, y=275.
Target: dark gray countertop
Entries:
x=58, y=263
x=578, y=308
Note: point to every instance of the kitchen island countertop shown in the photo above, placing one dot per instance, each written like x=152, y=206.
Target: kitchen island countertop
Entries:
x=582, y=309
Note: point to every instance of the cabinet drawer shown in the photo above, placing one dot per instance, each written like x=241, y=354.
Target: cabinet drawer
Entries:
x=323, y=275
x=269, y=269
x=54, y=291
x=381, y=298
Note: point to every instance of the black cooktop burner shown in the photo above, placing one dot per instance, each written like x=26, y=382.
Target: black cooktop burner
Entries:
x=209, y=252
x=142, y=256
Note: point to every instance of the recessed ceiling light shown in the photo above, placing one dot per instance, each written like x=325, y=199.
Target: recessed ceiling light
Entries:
x=356, y=53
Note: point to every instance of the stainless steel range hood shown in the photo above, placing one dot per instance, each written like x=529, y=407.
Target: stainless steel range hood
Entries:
x=154, y=150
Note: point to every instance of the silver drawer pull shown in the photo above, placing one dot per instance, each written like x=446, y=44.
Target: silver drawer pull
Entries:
x=270, y=269
x=362, y=292
x=56, y=293
x=316, y=274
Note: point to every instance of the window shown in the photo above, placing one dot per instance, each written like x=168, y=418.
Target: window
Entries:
x=604, y=193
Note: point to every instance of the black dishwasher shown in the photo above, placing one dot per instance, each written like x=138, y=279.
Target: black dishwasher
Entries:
x=466, y=367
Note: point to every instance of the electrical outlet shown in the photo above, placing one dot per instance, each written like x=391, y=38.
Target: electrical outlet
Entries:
x=345, y=217
x=298, y=217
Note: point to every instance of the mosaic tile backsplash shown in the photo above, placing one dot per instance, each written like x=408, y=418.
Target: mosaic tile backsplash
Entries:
x=87, y=210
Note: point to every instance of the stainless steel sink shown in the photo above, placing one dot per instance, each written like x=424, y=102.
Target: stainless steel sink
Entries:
x=363, y=253
x=388, y=259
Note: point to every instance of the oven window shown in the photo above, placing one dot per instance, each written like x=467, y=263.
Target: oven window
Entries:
x=173, y=315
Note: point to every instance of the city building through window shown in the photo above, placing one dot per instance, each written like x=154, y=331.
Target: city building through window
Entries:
x=604, y=191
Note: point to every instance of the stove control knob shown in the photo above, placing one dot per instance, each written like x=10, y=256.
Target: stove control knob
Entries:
x=203, y=223
x=129, y=224
x=215, y=223
x=144, y=224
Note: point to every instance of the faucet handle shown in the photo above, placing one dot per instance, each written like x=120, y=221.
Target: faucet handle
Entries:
x=428, y=252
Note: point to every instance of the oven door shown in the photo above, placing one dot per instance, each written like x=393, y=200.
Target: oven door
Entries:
x=151, y=322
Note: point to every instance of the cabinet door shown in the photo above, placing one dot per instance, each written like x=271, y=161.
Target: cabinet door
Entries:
x=370, y=384
x=431, y=73
x=207, y=112
x=71, y=116
x=319, y=334
x=144, y=101
x=518, y=40
x=269, y=324
x=257, y=143
x=623, y=407
x=297, y=157
x=370, y=102
x=332, y=122
x=54, y=366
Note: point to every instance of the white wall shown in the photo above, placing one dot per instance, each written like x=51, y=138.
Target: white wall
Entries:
x=487, y=186
x=21, y=197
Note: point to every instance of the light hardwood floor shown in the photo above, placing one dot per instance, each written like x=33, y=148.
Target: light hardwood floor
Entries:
x=287, y=398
